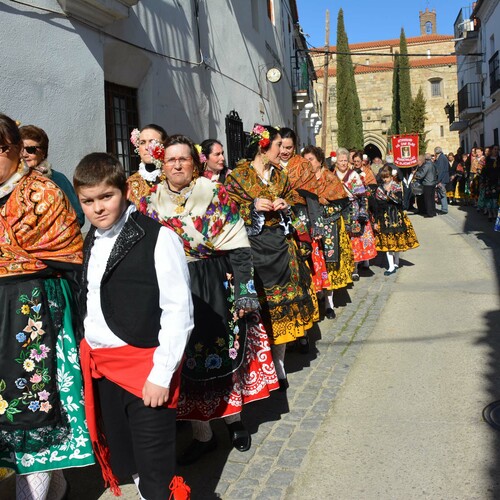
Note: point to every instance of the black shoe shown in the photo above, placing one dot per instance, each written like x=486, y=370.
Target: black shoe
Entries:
x=303, y=345
x=283, y=384
x=239, y=436
x=355, y=277
x=330, y=313
x=388, y=273
x=196, y=450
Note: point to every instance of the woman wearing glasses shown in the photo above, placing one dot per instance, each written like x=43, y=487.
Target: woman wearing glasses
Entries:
x=35, y=152
x=228, y=358
x=42, y=422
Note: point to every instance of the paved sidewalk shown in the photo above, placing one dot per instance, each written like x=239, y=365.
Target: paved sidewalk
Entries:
x=389, y=403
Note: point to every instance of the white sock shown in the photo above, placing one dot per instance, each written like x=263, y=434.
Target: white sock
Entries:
x=202, y=431
x=390, y=261
x=231, y=419
x=279, y=359
x=34, y=486
x=135, y=477
x=396, y=259
x=329, y=298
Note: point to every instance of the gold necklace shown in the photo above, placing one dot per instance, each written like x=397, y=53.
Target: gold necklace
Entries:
x=179, y=199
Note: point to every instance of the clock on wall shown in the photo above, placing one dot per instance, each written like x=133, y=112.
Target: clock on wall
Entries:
x=273, y=75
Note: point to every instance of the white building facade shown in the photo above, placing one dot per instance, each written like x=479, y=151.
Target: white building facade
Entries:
x=89, y=71
x=477, y=34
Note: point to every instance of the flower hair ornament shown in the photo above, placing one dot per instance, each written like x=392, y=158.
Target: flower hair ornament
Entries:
x=134, y=139
x=260, y=134
x=203, y=158
x=157, y=151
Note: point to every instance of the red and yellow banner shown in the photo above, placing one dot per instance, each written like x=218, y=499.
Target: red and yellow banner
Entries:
x=405, y=150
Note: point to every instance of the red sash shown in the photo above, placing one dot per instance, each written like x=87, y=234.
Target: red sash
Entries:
x=127, y=367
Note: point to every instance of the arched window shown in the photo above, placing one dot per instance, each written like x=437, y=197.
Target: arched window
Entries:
x=428, y=27
x=436, y=84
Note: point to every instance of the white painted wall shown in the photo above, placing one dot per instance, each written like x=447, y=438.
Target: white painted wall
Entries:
x=54, y=69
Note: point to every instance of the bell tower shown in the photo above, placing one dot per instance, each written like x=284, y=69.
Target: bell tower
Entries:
x=427, y=22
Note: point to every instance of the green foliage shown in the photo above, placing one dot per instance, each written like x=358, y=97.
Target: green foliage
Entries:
x=419, y=115
x=402, y=121
x=350, y=122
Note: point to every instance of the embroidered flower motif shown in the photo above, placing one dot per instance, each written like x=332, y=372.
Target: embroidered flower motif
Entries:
x=34, y=406
x=198, y=347
x=220, y=342
x=40, y=354
x=34, y=328
x=45, y=406
x=3, y=405
x=236, y=330
x=43, y=395
x=236, y=344
x=233, y=353
x=25, y=309
x=213, y=361
x=251, y=287
x=28, y=365
x=36, y=308
x=27, y=460
x=191, y=363
x=21, y=337
x=36, y=378
x=21, y=383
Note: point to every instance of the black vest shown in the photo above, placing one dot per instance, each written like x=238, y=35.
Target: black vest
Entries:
x=130, y=298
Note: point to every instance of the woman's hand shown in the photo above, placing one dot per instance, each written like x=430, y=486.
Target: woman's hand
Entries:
x=280, y=204
x=263, y=205
x=243, y=312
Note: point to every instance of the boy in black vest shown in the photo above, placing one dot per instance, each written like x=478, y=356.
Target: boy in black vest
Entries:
x=138, y=315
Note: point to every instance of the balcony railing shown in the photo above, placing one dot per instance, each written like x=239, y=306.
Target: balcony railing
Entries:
x=469, y=99
x=494, y=66
x=466, y=31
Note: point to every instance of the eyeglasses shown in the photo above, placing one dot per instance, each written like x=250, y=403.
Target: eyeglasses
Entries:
x=172, y=162
x=4, y=149
x=31, y=149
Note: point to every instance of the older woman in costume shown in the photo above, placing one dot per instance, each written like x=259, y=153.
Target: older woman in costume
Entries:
x=148, y=143
x=336, y=245
x=228, y=358
x=42, y=422
x=394, y=231
x=358, y=222
x=262, y=190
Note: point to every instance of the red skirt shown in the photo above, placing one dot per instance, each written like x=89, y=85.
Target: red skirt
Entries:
x=319, y=271
x=364, y=246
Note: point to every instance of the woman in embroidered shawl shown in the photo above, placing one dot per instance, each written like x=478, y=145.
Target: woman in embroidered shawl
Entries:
x=394, y=231
x=357, y=221
x=42, y=423
x=150, y=168
x=228, y=357
x=262, y=190
x=335, y=245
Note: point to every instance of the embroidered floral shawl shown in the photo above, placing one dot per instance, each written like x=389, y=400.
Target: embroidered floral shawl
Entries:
x=330, y=188
x=203, y=216
x=301, y=176
x=244, y=186
x=37, y=223
x=352, y=183
x=139, y=187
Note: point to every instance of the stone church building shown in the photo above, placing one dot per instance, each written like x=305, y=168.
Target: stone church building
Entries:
x=432, y=68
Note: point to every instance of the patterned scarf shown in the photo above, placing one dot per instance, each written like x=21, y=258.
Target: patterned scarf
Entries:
x=202, y=214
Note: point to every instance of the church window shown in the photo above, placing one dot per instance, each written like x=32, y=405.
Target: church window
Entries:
x=428, y=27
x=436, y=87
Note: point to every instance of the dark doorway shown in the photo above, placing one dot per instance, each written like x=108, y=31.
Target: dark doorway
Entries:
x=372, y=151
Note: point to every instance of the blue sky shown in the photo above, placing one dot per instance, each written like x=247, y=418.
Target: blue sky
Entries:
x=370, y=20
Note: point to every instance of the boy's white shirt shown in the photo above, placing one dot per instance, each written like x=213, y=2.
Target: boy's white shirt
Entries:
x=172, y=274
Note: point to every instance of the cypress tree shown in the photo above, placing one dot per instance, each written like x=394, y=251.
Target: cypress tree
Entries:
x=405, y=99
x=396, y=117
x=419, y=114
x=349, y=120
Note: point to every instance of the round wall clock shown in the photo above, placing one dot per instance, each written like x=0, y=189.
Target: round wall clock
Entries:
x=273, y=75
